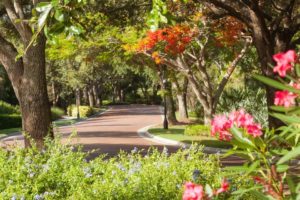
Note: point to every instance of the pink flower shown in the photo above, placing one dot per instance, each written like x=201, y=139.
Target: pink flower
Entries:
x=222, y=124
x=284, y=98
x=225, y=135
x=254, y=130
x=224, y=187
x=295, y=85
x=284, y=61
x=218, y=124
x=243, y=119
x=192, y=191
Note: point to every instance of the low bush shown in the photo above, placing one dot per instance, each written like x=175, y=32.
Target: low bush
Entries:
x=106, y=102
x=6, y=108
x=10, y=121
x=84, y=111
x=59, y=172
x=197, y=130
x=56, y=113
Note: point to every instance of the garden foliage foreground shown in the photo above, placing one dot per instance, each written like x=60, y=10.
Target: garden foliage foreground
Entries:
x=60, y=172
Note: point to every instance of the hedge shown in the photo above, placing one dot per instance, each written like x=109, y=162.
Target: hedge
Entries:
x=10, y=121
x=56, y=113
x=6, y=108
x=84, y=111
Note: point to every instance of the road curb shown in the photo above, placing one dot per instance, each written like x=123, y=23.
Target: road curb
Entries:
x=144, y=133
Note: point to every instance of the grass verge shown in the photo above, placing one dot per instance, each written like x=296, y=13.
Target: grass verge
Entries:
x=5, y=132
x=177, y=133
x=57, y=123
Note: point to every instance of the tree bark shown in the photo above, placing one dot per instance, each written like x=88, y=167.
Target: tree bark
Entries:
x=171, y=110
x=266, y=48
x=91, y=97
x=85, y=96
x=33, y=97
x=96, y=95
x=78, y=102
x=181, y=93
x=54, y=94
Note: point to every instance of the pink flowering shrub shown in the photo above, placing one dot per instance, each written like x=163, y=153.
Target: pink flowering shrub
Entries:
x=192, y=191
x=196, y=192
x=222, y=124
x=270, y=155
x=284, y=62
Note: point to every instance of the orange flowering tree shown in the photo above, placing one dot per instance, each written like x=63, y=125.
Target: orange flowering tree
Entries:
x=193, y=51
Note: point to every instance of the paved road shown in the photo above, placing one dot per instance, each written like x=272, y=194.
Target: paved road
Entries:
x=117, y=128
x=114, y=130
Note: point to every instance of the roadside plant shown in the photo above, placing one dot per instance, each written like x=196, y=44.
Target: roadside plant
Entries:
x=271, y=154
x=61, y=171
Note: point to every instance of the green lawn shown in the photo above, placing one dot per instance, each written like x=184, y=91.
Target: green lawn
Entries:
x=66, y=122
x=192, y=116
x=57, y=123
x=177, y=133
x=8, y=131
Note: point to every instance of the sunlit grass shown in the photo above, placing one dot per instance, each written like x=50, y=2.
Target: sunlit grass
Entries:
x=8, y=131
x=177, y=133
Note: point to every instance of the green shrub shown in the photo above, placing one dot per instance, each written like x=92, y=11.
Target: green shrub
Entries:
x=197, y=130
x=69, y=109
x=59, y=172
x=84, y=111
x=56, y=113
x=6, y=108
x=10, y=121
x=106, y=102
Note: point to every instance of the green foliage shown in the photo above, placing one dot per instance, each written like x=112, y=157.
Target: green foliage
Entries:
x=249, y=99
x=106, y=102
x=56, y=113
x=195, y=130
x=9, y=116
x=6, y=108
x=271, y=156
x=10, y=121
x=59, y=172
x=84, y=111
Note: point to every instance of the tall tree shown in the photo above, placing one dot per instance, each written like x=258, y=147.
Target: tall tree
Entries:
x=192, y=51
x=274, y=26
x=27, y=73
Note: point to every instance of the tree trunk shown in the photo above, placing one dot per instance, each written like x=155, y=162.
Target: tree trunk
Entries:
x=171, y=110
x=91, y=97
x=207, y=106
x=182, y=107
x=119, y=94
x=78, y=102
x=33, y=97
x=28, y=75
x=154, y=94
x=85, y=96
x=266, y=48
x=96, y=95
x=54, y=94
x=181, y=98
x=208, y=114
x=122, y=95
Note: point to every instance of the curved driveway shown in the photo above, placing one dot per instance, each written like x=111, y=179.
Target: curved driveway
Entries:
x=112, y=131
x=116, y=129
